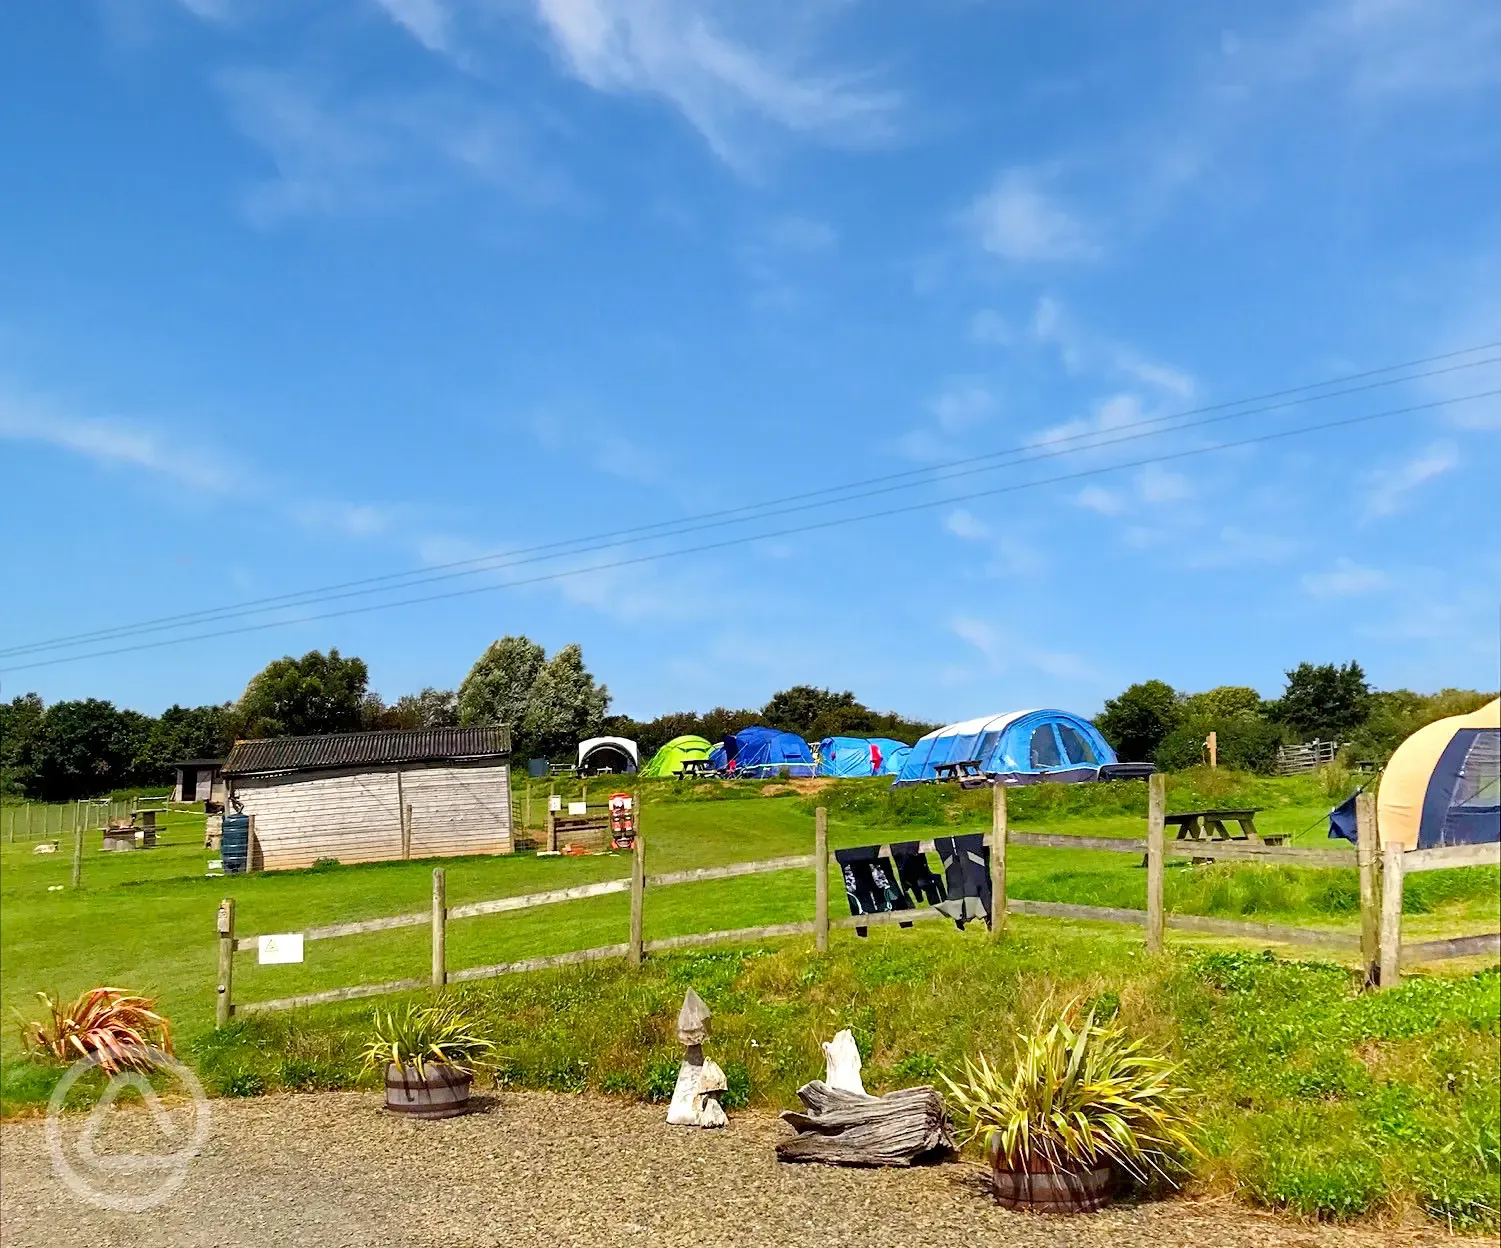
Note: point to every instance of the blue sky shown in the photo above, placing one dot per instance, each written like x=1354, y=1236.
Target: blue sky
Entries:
x=297, y=292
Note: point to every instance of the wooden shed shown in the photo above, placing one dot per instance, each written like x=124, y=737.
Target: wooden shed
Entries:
x=373, y=796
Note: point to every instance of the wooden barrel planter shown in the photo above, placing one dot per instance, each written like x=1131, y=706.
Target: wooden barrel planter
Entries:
x=1042, y=1189
x=441, y=1091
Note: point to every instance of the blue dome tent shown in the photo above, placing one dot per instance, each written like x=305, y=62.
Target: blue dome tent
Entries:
x=1020, y=748
x=852, y=756
x=761, y=751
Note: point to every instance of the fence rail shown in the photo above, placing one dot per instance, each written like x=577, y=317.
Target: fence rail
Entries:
x=1378, y=943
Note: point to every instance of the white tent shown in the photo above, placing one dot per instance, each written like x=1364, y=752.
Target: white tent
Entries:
x=608, y=754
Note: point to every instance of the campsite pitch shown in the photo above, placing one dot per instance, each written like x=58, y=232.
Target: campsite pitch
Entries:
x=535, y=1168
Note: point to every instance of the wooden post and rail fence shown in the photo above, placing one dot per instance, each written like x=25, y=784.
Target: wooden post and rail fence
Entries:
x=1378, y=943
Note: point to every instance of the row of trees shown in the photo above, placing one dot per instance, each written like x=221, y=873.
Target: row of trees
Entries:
x=89, y=746
x=1153, y=722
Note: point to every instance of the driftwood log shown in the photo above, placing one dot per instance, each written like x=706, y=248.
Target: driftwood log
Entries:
x=893, y=1130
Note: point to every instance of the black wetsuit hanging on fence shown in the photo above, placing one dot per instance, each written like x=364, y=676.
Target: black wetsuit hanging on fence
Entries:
x=966, y=864
x=870, y=883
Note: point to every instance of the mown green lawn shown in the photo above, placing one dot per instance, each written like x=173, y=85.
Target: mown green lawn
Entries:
x=146, y=919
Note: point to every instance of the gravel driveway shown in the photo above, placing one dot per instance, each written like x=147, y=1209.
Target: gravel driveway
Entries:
x=332, y=1169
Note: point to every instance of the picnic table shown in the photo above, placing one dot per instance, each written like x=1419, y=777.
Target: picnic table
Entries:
x=696, y=767
x=966, y=771
x=1209, y=825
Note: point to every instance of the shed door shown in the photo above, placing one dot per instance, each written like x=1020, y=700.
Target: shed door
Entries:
x=190, y=784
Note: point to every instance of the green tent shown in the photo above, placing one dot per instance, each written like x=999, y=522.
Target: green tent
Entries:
x=669, y=760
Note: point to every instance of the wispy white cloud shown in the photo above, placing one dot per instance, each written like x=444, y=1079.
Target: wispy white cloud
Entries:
x=1388, y=490
x=1108, y=414
x=1098, y=498
x=989, y=326
x=966, y=524
x=727, y=83
x=1345, y=579
x=1081, y=350
x=335, y=152
x=1157, y=486
x=1020, y=219
x=112, y=442
x=427, y=21
x=599, y=445
x=962, y=405
x=1004, y=652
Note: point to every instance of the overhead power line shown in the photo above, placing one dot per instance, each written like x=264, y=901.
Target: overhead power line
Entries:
x=745, y=539
x=832, y=495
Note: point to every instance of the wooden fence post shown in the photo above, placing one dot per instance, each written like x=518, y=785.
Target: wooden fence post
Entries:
x=224, y=1005
x=998, y=836
x=821, y=879
x=1392, y=868
x=77, y=849
x=638, y=897
x=526, y=821
x=406, y=830
x=440, y=927
x=1366, y=852
x=1156, y=860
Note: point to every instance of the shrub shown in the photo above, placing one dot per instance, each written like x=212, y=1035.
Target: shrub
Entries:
x=1243, y=743
x=1080, y=1096
x=109, y=1024
x=445, y=1032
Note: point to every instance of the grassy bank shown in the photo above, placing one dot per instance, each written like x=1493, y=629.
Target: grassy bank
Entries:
x=1312, y=1096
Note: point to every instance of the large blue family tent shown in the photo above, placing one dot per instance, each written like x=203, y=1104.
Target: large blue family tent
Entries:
x=1020, y=748
x=861, y=756
x=760, y=751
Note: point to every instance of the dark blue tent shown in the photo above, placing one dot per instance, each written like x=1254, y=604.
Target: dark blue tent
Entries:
x=761, y=751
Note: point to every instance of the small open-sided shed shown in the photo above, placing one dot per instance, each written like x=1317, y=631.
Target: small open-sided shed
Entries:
x=373, y=796
x=199, y=780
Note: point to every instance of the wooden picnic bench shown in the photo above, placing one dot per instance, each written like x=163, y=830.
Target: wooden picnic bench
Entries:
x=695, y=768
x=1209, y=825
x=966, y=771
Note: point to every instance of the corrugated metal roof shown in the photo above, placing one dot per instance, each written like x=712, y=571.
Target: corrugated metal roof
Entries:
x=357, y=749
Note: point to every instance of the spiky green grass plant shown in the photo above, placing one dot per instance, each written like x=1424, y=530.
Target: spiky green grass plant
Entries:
x=1080, y=1096
x=446, y=1032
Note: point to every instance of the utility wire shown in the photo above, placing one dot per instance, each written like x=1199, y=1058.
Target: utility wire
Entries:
x=756, y=537
x=968, y=466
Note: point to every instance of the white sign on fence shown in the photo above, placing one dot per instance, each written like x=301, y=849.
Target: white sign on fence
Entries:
x=555, y=802
x=286, y=947
x=578, y=808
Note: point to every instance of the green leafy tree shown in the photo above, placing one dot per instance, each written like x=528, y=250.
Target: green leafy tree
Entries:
x=1394, y=715
x=565, y=706
x=1136, y=721
x=20, y=737
x=1224, y=702
x=86, y=747
x=183, y=732
x=499, y=685
x=318, y=693
x=801, y=708
x=549, y=705
x=1324, y=701
x=432, y=708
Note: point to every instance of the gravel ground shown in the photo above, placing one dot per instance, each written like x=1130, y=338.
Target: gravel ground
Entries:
x=332, y=1170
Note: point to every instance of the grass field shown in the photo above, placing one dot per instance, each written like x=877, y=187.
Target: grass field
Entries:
x=917, y=999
